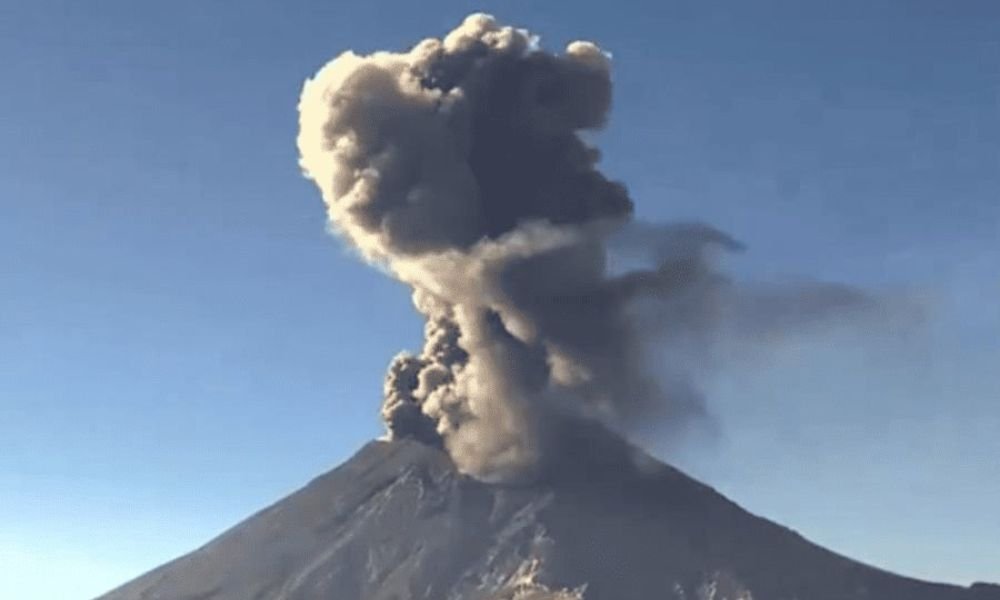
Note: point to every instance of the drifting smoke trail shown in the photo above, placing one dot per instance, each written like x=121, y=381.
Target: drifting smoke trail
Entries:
x=457, y=166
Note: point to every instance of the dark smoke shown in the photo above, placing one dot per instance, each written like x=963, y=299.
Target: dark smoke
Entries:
x=458, y=167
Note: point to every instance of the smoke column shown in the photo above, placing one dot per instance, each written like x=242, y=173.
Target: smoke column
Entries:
x=458, y=168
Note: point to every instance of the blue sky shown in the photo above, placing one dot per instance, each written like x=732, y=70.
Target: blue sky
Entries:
x=181, y=342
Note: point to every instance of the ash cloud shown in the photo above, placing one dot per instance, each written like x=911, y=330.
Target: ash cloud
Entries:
x=459, y=169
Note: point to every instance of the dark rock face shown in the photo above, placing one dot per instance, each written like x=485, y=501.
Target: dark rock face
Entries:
x=397, y=522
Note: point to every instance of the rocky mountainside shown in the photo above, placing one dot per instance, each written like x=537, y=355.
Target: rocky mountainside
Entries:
x=398, y=522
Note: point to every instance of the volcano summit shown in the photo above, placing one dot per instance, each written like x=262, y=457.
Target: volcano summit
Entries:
x=398, y=521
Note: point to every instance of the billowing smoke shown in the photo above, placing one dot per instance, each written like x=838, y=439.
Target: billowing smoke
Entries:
x=459, y=168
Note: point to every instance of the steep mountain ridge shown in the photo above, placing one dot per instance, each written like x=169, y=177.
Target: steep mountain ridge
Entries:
x=398, y=522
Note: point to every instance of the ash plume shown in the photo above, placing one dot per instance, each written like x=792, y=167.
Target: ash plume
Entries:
x=458, y=167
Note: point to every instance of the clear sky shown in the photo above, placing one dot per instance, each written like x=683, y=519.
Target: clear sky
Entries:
x=181, y=342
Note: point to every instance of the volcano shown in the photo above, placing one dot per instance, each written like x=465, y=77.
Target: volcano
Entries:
x=398, y=521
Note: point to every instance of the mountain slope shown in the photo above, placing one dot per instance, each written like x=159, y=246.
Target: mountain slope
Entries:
x=397, y=522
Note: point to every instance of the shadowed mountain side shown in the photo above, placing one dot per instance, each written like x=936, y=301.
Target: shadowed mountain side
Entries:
x=398, y=522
